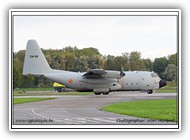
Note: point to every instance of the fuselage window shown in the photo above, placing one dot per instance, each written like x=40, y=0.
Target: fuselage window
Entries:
x=154, y=75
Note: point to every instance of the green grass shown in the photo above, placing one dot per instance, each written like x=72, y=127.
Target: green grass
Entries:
x=165, y=109
x=44, y=91
x=170, y=88
x=35, y=89
x=28, y=100
x=39, y=93
x=165, y=91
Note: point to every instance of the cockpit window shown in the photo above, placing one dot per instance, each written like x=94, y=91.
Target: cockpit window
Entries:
x=154, y=75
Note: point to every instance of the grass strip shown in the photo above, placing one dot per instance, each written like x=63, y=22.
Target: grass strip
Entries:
x=28, y=100
x=165, y=91
x=36, y=93
x=165, y=109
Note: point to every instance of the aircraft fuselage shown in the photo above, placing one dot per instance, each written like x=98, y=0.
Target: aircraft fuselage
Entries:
x=132, y=81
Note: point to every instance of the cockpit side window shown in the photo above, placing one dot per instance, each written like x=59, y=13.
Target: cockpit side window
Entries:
x=154, y=75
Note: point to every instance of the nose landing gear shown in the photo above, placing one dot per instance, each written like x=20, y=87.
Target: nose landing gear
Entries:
x=149, y=91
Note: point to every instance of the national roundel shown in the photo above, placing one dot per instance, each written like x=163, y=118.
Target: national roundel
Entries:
x=70, y=81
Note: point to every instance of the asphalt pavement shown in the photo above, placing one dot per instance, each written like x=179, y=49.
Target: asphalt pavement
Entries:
x=82, y=109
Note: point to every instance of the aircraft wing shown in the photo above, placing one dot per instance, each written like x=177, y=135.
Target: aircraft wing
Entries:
x=100, y=73
x=95, y=73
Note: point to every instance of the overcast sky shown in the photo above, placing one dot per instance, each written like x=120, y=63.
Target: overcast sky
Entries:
x=153, y=36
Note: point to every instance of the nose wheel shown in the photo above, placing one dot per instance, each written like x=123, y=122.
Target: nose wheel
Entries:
x=149, y=91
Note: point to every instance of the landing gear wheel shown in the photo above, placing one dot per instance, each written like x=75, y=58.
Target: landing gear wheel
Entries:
x=105, y=93
x=97, y=93
x=149, y=91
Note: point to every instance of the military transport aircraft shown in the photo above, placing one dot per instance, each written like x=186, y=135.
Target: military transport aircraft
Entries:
x=96, y=80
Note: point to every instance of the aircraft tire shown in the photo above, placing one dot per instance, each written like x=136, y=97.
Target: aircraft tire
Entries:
x=97, y=93
x=105, y=93
x=149, y=91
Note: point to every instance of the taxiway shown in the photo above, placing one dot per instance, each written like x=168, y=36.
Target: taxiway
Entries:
x=82, y=109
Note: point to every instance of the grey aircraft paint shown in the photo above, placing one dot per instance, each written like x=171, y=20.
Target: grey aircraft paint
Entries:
x=96, y=80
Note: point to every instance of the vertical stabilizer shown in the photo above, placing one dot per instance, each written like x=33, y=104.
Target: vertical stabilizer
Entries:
x=35, y=63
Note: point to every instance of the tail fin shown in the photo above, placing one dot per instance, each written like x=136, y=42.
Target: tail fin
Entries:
x=35, y=62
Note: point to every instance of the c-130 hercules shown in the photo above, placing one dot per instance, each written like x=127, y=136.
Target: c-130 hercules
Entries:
x=96, y=80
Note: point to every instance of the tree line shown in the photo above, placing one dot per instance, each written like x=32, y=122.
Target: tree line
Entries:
x=81, y=60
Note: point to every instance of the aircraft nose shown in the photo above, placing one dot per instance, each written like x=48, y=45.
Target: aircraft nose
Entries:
x=162, y=83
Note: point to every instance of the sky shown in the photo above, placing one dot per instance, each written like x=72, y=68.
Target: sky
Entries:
x=153, y=36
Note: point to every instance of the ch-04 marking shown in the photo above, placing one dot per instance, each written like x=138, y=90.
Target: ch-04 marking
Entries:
x=33, y=56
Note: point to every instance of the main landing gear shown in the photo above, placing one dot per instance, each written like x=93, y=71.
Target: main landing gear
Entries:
x=98, y=93
x=106, y=93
